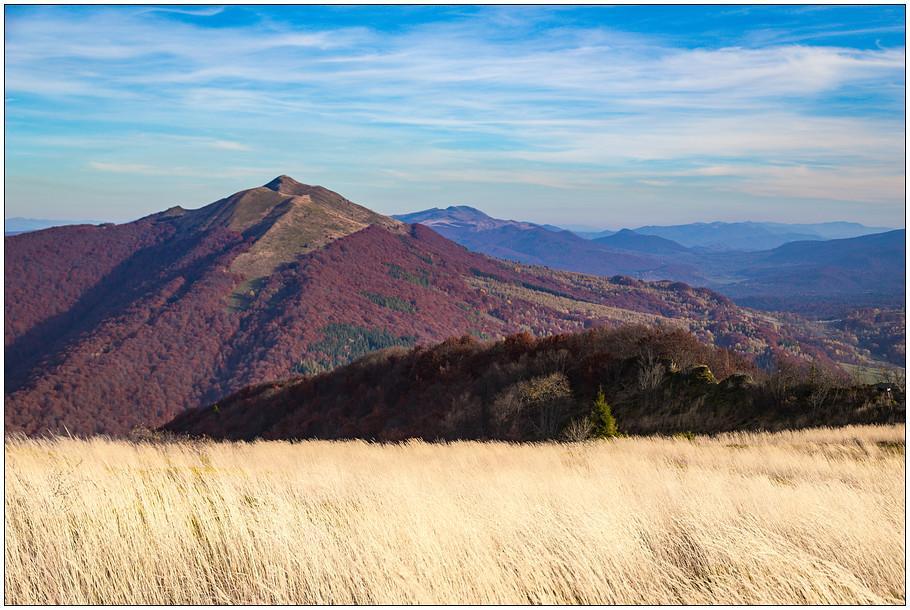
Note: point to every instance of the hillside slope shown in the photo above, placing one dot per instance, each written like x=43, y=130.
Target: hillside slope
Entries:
x=865, y=271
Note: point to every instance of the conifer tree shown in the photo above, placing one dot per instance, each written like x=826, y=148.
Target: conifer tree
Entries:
x=604, y=424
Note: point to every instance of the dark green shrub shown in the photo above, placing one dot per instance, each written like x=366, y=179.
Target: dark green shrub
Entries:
x=391, y=302
x=420, y=278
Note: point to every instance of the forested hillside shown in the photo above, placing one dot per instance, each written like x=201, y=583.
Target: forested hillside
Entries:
x=598, y=383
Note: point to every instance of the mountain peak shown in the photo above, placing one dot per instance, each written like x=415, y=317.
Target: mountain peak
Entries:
x=288, y=186
x=466, y=208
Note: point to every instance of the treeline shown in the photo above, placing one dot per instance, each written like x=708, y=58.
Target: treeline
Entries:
x=523, y=388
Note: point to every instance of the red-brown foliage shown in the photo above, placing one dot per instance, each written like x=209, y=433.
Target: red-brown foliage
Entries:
x=657, y=381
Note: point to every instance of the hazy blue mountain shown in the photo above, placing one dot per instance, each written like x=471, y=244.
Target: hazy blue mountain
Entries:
x=868, y=270
x=829, y=230
x=17, y=224
x=855, y=253
x=460, y=217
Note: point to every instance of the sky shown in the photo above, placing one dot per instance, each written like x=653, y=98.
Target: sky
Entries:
x=602, y=117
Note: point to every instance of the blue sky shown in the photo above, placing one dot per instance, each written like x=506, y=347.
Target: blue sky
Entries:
x=598, y=116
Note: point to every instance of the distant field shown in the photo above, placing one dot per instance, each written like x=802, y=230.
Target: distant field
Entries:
x=807, y=517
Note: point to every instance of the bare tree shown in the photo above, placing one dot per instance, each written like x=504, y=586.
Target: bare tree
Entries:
x=896, y=378
x=651, y=371
x=577, y=430
x=822, y=385
x=780, y=383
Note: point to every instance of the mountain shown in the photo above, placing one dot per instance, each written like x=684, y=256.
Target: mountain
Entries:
x=749, y=236
x=650, y=244
x=468, y=218
x=526, y=389
x=17, y=224
x=115, y=326
x=870, y=252
x=461, y=217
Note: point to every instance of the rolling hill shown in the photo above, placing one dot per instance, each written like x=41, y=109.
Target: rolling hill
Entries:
x=859, y=271
x=626, y=239
x=115, y=326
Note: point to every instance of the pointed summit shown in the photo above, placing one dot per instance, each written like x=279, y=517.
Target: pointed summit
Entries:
x=288, y=186
x=285, y=185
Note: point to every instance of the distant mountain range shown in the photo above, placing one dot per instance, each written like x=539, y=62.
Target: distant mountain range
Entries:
x=750, y=236
x=768, y=265
x=536, y=245
x=114, y=326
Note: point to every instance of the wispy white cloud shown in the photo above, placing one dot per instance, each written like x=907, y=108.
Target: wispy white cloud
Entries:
x=125, y=168
x=196, y=12
x=228, y=145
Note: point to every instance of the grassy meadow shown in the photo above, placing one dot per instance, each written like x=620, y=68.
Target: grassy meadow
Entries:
x=815, y=516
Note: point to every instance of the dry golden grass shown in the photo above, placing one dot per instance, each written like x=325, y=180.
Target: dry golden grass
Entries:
x=803, y=517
